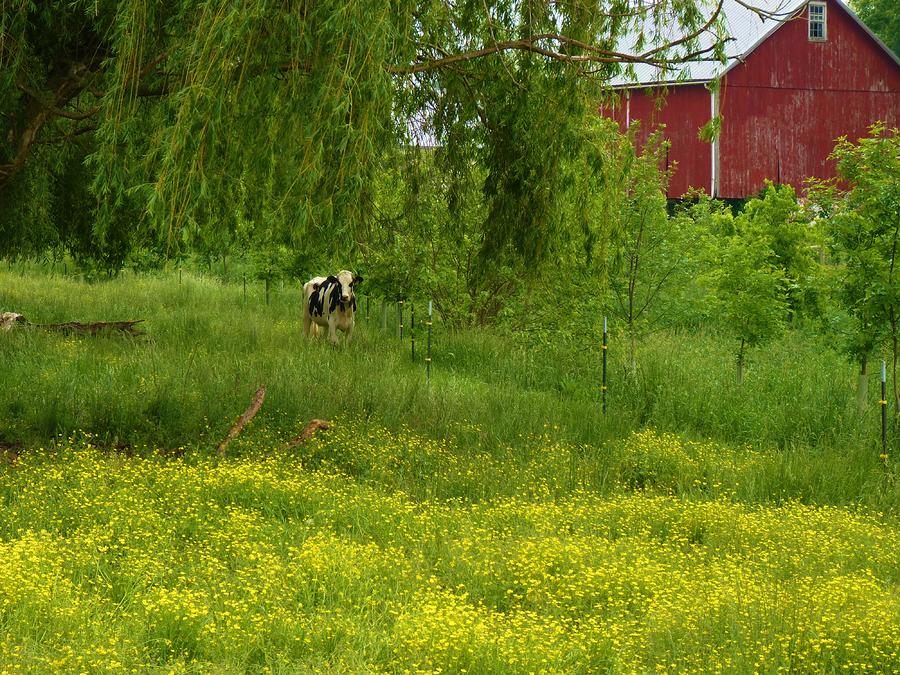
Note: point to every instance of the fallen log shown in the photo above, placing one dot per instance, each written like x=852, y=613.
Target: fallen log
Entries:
x=248, y=415
x=127, y=327
x=8, y=320
x=10, y=452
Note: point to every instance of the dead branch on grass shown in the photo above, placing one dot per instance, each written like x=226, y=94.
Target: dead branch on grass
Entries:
x=248, y=415
x=10, y=452
x=307, y=433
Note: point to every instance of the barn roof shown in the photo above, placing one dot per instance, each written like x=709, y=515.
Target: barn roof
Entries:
x=746, y=28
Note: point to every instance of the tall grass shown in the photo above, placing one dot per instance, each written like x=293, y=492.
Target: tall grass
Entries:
x=491, y=521
x=207, y=349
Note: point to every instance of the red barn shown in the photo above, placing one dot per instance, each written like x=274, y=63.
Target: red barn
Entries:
x=793, y=85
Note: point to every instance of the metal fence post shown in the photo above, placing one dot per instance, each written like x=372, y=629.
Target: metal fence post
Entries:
x=883, y=401
x=428, y=353
x=604, y=350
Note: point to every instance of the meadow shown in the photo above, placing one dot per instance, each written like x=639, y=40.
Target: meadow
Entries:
x=490, y=521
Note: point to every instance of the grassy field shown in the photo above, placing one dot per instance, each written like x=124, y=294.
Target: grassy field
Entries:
x=490, y=522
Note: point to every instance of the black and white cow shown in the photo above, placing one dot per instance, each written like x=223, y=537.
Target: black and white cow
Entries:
x=330, y=302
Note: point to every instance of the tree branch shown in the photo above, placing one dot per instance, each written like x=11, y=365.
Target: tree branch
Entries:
x=76, y=81
x=80, y=131
x=593, y=53
x=76, y=115
x=241, y=422
x=68, y=89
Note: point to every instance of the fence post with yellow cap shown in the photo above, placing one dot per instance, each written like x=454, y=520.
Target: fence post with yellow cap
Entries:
x=428, y=354
x=603, y=349
x=883, y=411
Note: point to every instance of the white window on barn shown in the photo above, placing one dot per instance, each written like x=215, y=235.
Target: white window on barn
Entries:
x=817, y=24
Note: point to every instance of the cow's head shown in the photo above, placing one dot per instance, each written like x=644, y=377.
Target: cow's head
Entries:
x=347, y=281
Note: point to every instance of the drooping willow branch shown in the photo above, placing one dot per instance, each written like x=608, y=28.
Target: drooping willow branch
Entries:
x=593, y=53
x=152, y=79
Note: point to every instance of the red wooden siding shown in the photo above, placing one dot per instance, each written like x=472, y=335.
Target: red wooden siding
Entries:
x=849, y=60
x=787, y=135
x=782, y=108
x=786, y=104
x=683, y=111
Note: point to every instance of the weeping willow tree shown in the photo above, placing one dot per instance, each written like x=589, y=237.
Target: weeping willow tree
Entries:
x=133, y=121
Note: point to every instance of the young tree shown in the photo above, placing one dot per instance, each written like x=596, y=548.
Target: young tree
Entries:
x=777, y=216
x=650, y=253
x=751, y=293
x=865, y=230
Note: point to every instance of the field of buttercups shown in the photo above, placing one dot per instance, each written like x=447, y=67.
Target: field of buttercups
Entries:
x=490, y=521
x=276, y=561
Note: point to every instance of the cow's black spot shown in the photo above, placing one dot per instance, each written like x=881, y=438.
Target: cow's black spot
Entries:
x=329, y=293
x=315, y=303
x=335, y=298
x=319, y=296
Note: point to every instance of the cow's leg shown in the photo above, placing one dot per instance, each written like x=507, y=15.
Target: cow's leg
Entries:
x=310, y=327
x=349, y=331
x=332, y=328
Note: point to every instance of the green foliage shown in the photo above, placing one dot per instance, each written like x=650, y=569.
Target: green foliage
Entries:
x=778, y=217
x=426, y=238
x=652, y=257
x=529, y=158
x=750, y=291
x=711, y=130
x=202, y=118
x=872, y=166
x=864, y=225
x=703, y=225
x=882, y=17
x=26, y=227
x=712, y=215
